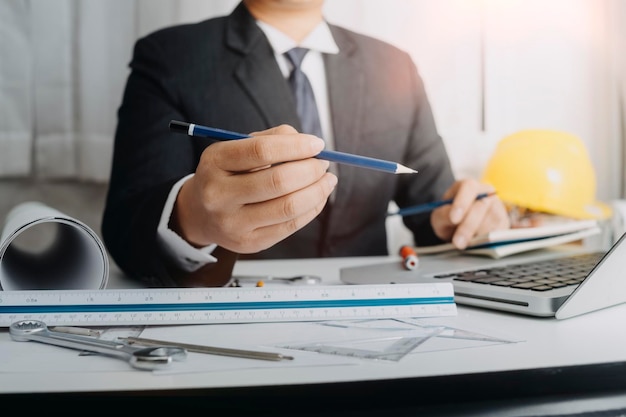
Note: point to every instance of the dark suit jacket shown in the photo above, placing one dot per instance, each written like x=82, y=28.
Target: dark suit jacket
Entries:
x=222, y=73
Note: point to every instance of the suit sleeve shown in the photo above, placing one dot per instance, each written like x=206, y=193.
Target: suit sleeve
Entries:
x=147, y=161
x=427, y=151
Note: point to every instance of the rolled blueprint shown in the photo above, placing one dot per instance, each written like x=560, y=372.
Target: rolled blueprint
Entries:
x=44, y=249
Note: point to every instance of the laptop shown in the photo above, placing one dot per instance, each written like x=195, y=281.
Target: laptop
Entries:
x=560, y=282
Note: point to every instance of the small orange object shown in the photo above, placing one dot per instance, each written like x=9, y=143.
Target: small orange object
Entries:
x=260, y=283
x=409, y=257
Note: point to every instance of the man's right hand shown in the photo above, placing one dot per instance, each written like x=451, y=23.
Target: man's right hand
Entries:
x=247, y=195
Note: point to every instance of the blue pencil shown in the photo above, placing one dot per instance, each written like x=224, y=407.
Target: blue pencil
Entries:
x=332, y=156
x=425, y=208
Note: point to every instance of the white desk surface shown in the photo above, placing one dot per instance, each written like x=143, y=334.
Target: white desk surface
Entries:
x=592, y=339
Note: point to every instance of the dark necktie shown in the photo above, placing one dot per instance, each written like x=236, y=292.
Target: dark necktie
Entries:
x=303, y=94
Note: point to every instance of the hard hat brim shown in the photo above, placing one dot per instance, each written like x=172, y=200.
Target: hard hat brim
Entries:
x=596, y=210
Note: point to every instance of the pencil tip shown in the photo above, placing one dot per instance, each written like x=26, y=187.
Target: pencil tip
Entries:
x=405, y=170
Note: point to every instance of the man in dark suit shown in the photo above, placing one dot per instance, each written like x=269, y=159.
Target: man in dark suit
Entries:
x=180, y=212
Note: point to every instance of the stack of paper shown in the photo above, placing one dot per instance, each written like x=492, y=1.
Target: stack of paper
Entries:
x=501, y=243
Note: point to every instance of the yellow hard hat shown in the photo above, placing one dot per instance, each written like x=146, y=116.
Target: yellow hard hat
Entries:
x=547, y=171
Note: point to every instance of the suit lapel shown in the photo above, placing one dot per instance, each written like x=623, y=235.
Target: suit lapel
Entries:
x=262, y=80
x=258, y=72
x=346, y=90
x=346, y=95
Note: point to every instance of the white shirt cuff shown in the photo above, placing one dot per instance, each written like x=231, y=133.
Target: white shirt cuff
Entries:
x=185, y=256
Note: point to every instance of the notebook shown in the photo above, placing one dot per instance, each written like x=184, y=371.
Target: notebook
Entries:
x=501, y=243
x=562, y=291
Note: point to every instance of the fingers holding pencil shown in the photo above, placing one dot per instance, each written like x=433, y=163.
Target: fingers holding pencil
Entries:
x=263, y=149
x=467, y=215
x=248, y=195
x=366, y=162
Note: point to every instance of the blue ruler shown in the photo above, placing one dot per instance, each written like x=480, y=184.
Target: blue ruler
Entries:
x=177, y=306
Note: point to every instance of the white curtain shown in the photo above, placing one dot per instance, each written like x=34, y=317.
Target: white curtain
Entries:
x=61, y=76
x=63, y=65
x=16, y=113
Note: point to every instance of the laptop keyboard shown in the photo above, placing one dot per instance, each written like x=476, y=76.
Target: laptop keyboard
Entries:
x=535, y=276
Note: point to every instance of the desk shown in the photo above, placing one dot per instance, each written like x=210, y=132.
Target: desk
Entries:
x=582, y=357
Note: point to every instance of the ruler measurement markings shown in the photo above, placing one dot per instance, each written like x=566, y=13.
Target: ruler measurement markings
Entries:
x=237, y=306
x=221, y=317
x=225, y=305
x=327, y=291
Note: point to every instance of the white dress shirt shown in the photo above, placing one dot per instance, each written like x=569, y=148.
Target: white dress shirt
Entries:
x=319, y=41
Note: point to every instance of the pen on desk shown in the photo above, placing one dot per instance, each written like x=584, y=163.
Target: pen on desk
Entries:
x=211, y=350
x=332, y=156
x=425, y=208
